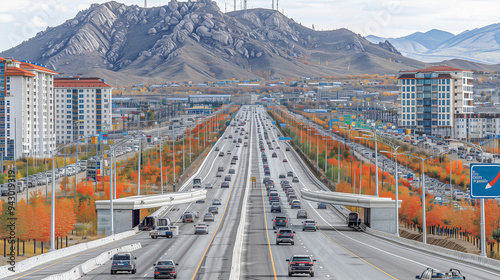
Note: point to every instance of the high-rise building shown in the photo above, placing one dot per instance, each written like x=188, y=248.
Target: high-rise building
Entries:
x=82, y=108
x=26, y=109
x=429, y=99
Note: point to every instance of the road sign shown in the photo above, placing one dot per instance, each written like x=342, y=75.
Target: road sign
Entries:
x=410, y=178
x=273, y=122
x=283, y=124
x=484, y=180
x=284, y=138
x=254, y=179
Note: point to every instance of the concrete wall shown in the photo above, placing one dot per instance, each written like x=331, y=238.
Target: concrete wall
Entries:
x=383, y=219
x=123, y=221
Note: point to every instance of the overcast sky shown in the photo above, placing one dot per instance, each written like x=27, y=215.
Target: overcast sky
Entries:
x=22, y=19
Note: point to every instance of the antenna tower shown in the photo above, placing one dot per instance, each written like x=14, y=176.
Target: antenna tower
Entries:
x=234, y=5
x=272, y=5
x=145, y=3
x=245, y=8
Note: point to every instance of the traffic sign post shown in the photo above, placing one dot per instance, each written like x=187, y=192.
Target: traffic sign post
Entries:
x=484, y=180
x=284, y=138
x=253, y=181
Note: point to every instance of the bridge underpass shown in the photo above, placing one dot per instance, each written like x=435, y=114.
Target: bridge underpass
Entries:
x=127, y=210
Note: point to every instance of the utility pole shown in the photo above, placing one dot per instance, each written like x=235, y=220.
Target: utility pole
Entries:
x=139, y=168
x=161, y=166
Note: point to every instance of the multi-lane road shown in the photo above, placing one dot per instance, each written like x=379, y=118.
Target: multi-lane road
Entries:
x=241, y=240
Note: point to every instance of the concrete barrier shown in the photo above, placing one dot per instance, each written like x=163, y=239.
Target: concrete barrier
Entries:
x=84, y=268
x=432, y=249
x=29, y=263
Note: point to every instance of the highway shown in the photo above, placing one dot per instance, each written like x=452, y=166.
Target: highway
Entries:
x=244, y=216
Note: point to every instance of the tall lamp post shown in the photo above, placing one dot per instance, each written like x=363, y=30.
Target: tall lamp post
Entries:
x=483, y=218
x=424, y=222
x=374, y=138
x=395, y=154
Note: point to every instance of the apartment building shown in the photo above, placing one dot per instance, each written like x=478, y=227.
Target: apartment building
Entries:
x=26, y=109
x=430, y=98
x=82, y=107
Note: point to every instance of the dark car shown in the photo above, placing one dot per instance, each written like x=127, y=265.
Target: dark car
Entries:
x=213, y=209
x=303, y=264
x=295, y=180
x=295, y=204
x=165, y=268
x=220, y=169
x=123, y=262
x=289, y=174
x=282, y=176
x=287, y=149
x=231, y=171
x=228, y=178
x=284, y=235
x=280, y=222
x=309, y=225
x=274, y=154
x=224, y=185
x=321, y=205
x=275, y=207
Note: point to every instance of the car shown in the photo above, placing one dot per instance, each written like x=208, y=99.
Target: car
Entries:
x=235, y=158
x=188, y=217
x=431, y=273
x=213, y=209
x=161, y=232
x=287, y=149
x=221, y=154
x=295, y=204
x=224, y=185
x=201, y=229
x=302, y=214
x=201, y=200
x=165, y=268
x=216, y=149
x=289, y=174
x=123, y=262
x=231, y=171
x=274, y=155
x=209, y=186
x=295, y=180
x=219, y=174
x=282, y=176
x=275, y=207
x=228, y=152
x=291, y=198
x=227, y=178
x=208, y=217
x=284, y=235
x=301, y=264
x=216, y=201
x=285, y=160
x=321, y=205
x=280, y=222
x=278, y=147
x=220, y=169
x=309, y=225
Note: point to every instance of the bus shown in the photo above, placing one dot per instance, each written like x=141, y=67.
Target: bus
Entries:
x=95, y=166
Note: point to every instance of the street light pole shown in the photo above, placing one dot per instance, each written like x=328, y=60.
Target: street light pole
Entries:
x=161, y=166
x=53, y=205
x=139, y=168
x=396, y=192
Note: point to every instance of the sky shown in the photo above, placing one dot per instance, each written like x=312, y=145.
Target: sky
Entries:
x=23, y=19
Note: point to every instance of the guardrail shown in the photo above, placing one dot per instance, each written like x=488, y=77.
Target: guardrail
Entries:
x=449, y=253
x=29, y=263
x=82, y=269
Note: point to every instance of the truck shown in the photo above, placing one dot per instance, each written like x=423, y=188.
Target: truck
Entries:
x=196, y=183
x=353, y=219
x=162, y=231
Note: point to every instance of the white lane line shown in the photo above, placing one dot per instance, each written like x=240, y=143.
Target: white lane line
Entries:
x=238, y=246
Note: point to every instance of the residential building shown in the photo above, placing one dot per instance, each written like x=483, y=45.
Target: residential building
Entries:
x=82, y=107
x=430, y=98
x=26, y=109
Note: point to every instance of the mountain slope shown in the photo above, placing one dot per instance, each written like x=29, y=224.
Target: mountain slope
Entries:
x=479, y=45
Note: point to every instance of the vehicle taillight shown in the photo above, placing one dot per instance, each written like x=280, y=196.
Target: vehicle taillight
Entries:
x=157, y=272
x=275, y=221
x=286, y=221
x=291, y=234
x=292, y=263
x=279, y=234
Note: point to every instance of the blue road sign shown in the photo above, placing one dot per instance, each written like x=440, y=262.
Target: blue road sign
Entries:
x=273, y=122
x=484, y=181
x=283, y=124
x=284, y=138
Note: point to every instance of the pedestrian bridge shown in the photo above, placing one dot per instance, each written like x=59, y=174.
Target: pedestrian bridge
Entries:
x=379, y=212
x=127, y=210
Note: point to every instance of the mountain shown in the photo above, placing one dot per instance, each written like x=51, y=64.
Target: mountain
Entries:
x=196, y=41
x=479, y=45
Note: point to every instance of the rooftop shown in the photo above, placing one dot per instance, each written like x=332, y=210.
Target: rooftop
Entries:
x=436, y=69
x=72, y=82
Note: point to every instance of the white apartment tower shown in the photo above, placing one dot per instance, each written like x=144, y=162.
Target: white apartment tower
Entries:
x=26, y=109
x=82, y=108
x=430, y=98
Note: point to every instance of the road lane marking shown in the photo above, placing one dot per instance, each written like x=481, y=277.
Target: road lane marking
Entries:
x=236, y=261
x=267, y=233
x=216, y=230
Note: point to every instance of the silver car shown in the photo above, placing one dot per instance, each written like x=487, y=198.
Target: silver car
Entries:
x=201, y=229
